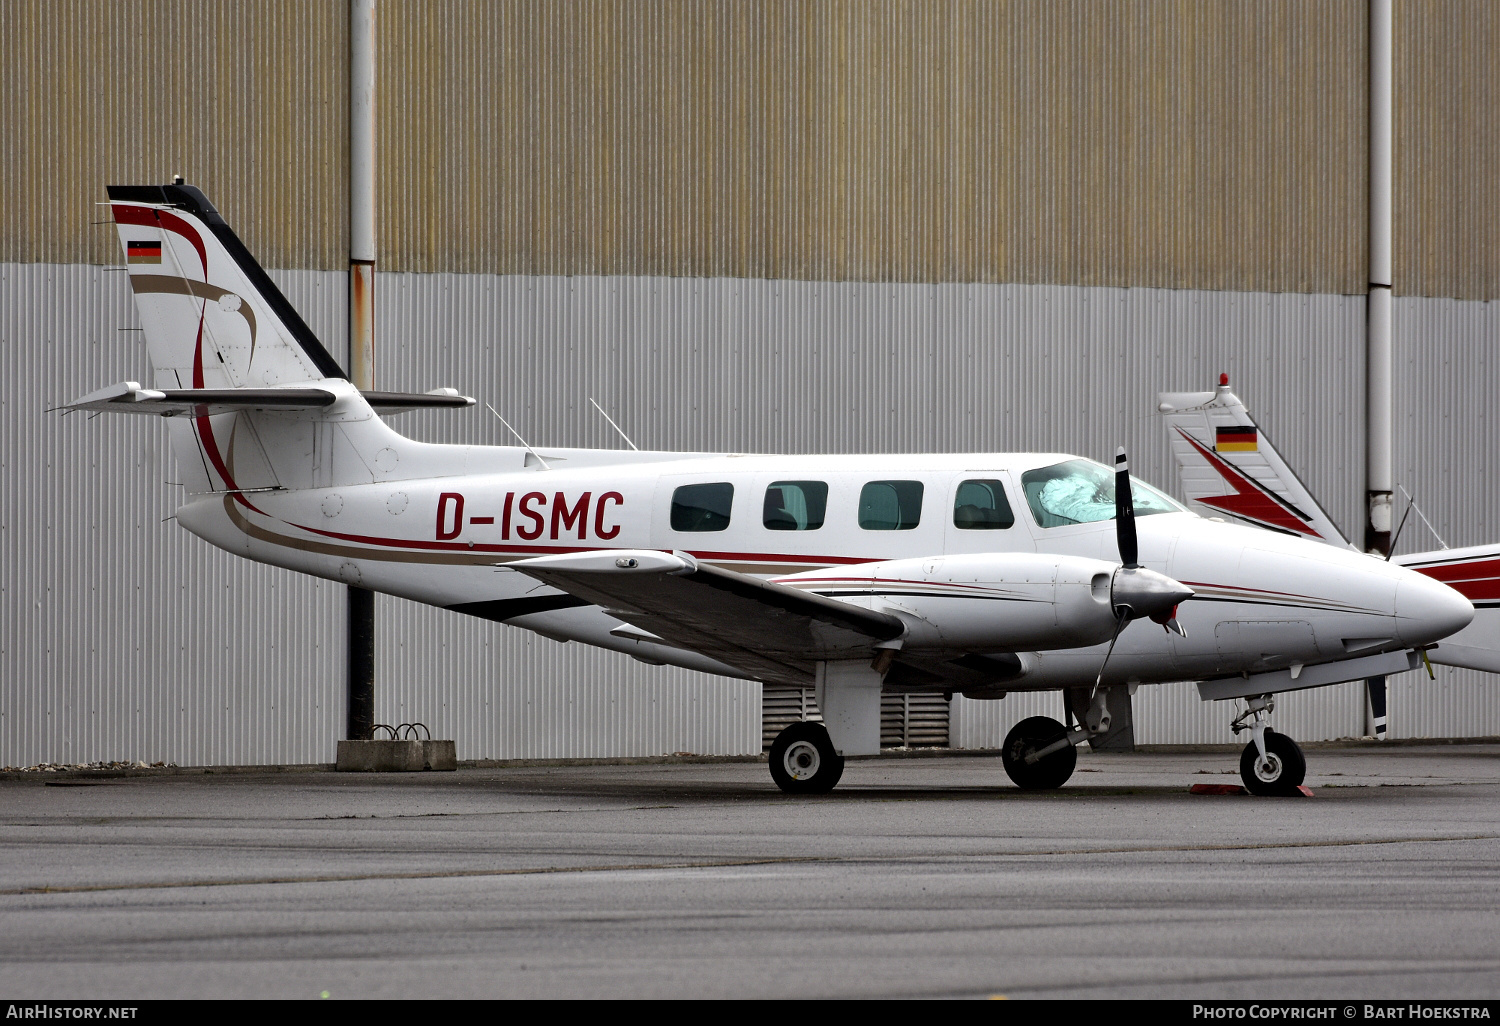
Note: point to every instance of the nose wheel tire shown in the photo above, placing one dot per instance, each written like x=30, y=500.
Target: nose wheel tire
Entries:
x=1048, y=772
x=803, y=760
x=1280, y=772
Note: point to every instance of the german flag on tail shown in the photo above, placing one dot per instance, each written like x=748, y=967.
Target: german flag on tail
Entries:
x=1236, y=439
x=145, y=252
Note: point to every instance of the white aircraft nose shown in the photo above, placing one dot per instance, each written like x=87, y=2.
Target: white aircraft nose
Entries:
x=1429, y=611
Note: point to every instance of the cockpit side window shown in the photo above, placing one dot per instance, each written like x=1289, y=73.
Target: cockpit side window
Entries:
x=795, y=505
x=702, y=507
x=890, y=505
x=981, y=505
x=1083, y=492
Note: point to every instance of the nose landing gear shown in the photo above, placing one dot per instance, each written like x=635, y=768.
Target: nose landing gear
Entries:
x=1272, y=763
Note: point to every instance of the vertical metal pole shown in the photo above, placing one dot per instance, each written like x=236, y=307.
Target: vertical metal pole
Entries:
x=1378, y=471
x=361, y=621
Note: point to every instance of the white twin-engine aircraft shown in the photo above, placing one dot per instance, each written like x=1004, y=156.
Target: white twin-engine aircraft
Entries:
x=971, y=573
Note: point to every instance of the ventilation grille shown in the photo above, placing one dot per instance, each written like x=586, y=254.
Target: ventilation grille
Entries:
x=906, y=721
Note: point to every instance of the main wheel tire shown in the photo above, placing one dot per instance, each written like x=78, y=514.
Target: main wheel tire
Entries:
x=1283, y=770
x=803, y=760
x=1048, y=772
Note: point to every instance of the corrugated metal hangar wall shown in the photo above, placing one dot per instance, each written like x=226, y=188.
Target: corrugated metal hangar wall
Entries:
x=787, y=227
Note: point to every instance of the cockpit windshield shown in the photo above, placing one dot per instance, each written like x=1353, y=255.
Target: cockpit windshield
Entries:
x=1083, y=492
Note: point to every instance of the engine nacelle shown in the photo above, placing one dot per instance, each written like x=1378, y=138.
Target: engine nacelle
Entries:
x=991, y=602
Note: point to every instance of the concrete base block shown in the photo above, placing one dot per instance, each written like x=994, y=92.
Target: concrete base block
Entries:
x=396, y=756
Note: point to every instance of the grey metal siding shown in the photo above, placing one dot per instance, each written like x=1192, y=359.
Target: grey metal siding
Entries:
x=122, y=636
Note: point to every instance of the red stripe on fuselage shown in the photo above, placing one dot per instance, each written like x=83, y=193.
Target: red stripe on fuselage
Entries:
x=550, y=550
x=1475, y=570
x=1476, y=580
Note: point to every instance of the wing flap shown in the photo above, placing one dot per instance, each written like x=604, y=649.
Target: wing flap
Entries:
x=771, y=631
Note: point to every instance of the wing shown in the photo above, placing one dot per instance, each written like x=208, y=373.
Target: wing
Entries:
x=770, y=631
x=1228, y=467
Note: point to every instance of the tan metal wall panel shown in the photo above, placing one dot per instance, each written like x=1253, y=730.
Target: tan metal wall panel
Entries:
x=1213, y=145
x=246, y=99
x=1447, y=149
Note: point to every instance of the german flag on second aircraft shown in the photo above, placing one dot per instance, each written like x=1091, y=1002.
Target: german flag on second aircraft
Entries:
x=1236, y=439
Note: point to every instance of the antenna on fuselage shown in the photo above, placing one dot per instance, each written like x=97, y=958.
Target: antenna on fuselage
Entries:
x=614, y=425
x=519, y=438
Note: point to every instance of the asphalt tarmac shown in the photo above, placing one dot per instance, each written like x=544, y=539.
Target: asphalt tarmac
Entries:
x=916, y=878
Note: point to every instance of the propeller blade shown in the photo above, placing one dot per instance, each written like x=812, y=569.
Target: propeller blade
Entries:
x=1125, y=512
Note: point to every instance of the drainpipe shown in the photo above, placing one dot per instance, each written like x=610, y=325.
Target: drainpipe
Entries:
x=1379, y=476
x=1378, y=472
x=361, y=619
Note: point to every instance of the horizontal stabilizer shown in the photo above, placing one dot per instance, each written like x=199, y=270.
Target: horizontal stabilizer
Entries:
x=386, y=403
x=772, y=632
x=130, y=397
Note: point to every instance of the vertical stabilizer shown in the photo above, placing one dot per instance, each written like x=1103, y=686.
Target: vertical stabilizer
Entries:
x=1229, y=468
x=212, y=317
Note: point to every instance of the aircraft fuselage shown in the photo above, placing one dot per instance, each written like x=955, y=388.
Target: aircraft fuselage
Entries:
x=1263, y=600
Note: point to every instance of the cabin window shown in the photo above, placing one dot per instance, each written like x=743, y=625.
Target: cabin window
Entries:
x=1083, y=492
x=890, y=505
x=702, y=507
x=795, y=505
x=982, y=506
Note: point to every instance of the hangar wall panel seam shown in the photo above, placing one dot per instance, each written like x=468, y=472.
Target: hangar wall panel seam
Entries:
x=123, y=637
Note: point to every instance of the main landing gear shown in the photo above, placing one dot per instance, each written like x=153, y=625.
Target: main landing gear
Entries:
x=1039, y=754
x=803, y=760
x=1271, y=763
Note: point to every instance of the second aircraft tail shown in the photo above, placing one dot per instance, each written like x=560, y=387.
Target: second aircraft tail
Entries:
x=1229, y=468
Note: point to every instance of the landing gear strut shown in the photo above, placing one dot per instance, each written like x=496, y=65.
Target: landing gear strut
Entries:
x=803, y=760
x=1271, y=763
